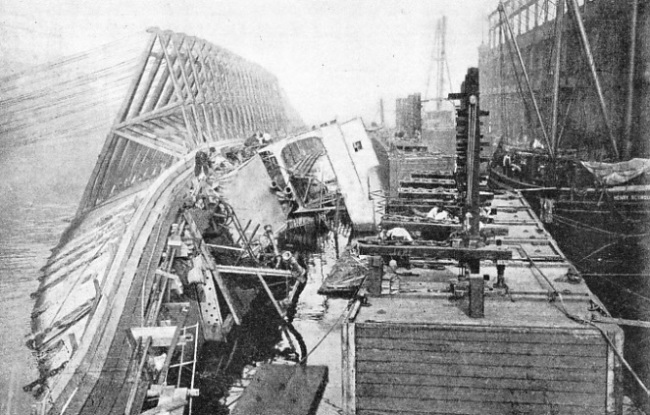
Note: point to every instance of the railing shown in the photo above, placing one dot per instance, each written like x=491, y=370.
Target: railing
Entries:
x=183, y=364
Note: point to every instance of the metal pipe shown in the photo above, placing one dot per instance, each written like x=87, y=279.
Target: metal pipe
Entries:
x=528, y=84
x=243, y=233
x=559, y=20
x=196, y=346
x=271, y=297
x=275, y=186
x=627, y=143
x=594, y=74
x=288, y=193
x=268, y=231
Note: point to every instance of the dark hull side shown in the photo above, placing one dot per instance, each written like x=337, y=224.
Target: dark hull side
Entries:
x=607, y=237
x=597, y=229
x=608, y=26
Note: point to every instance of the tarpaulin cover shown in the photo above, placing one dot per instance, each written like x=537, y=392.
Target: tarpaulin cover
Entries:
x=612, y=174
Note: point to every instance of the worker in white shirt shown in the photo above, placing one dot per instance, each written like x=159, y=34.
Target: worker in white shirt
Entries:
x=437, y=214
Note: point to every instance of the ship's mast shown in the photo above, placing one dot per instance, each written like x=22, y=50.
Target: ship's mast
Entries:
x=505, y=20
x=556, y=75
x=584, y=40
x=627, y=143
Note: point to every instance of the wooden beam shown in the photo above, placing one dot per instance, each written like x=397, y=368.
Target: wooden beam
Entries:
x=94, y=184
x=179, y=91
x=208, y=62
x=428, y=183
x=151, y=115
x=145, y=88
x=252, y=271
x=124, y=110
x=212, y=265
x=170, y=122
x=167, y=93
x=283, y=390
x=147, y=142
x=348, y=367
x=623, y=322
x=156, y=136
x=191, y=99
x=270, y=294
x=196, y=73
x=165, y=41
x=434, y=252
x=162, y=376
x=421, y=225
x=155, y=96
x=206, y=116
x=135, y=377
x=166, y=408
x=206, y=69
x=225, y=248
x=160, y=336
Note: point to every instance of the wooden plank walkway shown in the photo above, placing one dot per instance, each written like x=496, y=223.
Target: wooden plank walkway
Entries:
x=283, y=390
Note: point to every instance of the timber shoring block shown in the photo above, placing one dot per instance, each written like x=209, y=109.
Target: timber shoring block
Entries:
x=418, y=224
x=434, y=252
x=283, y=390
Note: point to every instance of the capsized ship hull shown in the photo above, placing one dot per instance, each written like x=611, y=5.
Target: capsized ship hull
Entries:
x=110, y=310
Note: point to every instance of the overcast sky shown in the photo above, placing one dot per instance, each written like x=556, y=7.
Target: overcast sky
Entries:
x=334, y=58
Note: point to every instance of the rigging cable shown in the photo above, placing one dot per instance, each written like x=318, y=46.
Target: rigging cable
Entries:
x=576, y=224
x=507, y=40
x=581, y=320
x=643, y=297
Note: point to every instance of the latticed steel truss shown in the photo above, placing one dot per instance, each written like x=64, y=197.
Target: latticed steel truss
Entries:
x=186, y=92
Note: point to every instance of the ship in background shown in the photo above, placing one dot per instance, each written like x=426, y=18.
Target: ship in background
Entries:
x=566, y=85
x=567, y=89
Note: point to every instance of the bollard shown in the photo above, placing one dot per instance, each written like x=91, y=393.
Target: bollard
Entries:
x=476, y=296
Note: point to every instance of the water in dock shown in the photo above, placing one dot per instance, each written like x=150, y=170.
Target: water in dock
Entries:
x=319, y=318
x=39, y=194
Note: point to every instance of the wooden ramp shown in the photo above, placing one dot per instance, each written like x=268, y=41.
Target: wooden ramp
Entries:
x=283, y=390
